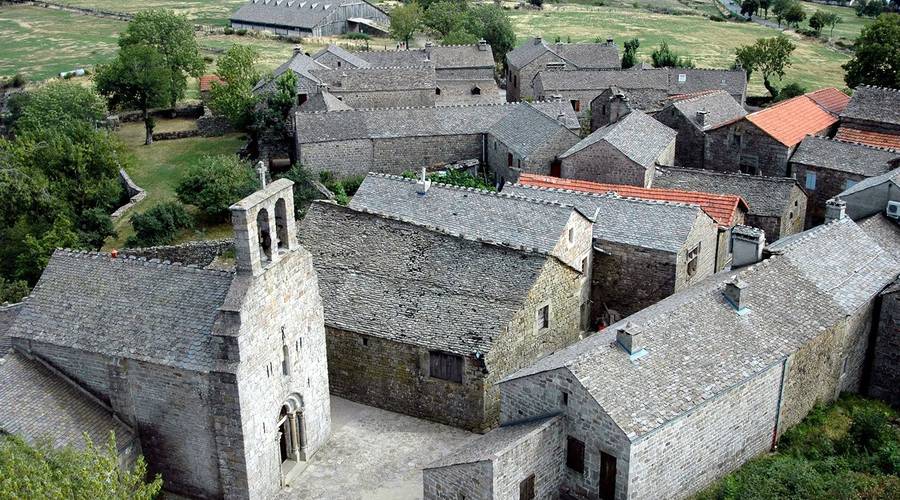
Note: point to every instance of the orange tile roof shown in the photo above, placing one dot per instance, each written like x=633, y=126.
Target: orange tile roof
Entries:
x=721, y=207
x=691, y=95
x=878, y=139
x=790, y=121
x=206, y=82
x=831, y=99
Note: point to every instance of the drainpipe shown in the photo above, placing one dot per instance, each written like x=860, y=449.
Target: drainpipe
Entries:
x=784, y=366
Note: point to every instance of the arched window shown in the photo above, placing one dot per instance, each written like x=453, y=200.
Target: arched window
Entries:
x=286, y=360
x=264, y=236
x=281, y=229
x=437, y=91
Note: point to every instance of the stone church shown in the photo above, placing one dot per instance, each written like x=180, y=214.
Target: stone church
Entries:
x=219, y=378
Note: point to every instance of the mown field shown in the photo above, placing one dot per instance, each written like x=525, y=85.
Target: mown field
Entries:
x=212, y=12
x=850, y=24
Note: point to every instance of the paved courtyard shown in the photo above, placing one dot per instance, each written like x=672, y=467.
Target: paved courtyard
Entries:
x=373, y=454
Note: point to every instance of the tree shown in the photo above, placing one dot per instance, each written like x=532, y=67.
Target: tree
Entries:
x=491, y=23
x=173, y=37
x=405, y=21
x=445, y=16
x=235, y=98
x=817, y=21
x=629, y=56
x=790, y=90
x=768, y=56
x=664, y=57
x=876, y=60
x=794, y=14
x=459, y=37
x=749, y=7
x=831, y=20
x=159, y=225
x=779, y=8
x=137, y=78
x=537, y=3
x=215, y=183
x=56, y=104
x=41, y=471
x=764, y=5
x=869, y=8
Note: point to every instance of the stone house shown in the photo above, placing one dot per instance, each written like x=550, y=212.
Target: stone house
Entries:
x=395, y=140
x=871, y=196
x=727, y=210
x=714, y=375
x=694, y=118
x=762, y=142
x=332, y=17
x=777, y=205
x=885, y=378
x=536, y=55
x=635, y=263
x=624, y=152
x=220, y=376
x=826, y=167
x=872, y=117
x=425, y=321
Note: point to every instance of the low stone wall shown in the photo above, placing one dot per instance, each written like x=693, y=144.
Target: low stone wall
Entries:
x=8, y=314
x=135, y=195
x=178, y=134
x=108, y=14
x=211, y=125
x=198, y=253
x=187, y=111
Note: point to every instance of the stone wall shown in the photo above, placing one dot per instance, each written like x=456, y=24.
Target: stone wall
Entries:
x=519, y=85
x=626, y=278
x=185, y=111
x=601, y=162
x=541, y=453
x=343, y=158
x=690, y=142
x=135, y=195
x=385, y=99
x=177, y=134
x=742, y=147
x=885, y=377
x=829, y=183
x=705, y=234
x=468, y=481
x=198, y=253
x=793, y=220
x=8, y=315
x=211, y=125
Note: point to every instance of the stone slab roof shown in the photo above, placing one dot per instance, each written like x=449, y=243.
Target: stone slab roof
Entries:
x=638, y=136
x=407, y=283
x=876, y=139
x=446, y=57
x=843, y=156
x=395, y=58
x=628, y=221
x=526, y=129
x=884, y=231
x=37, y=404
x=877, y=104
x=698, y=347
x=124, y=307
x=690, y=80
x=765, y=196
x=494, y=444
x=376, y=79
x=893, y=177
x=322, y=101
x=580, y=55
x=299, y=14
x=552, y=81
x=788, y=122
x=721, y=109
x=349, y=57
x=299, y=63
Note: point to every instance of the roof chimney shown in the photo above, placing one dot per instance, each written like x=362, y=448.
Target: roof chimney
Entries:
x=630, y=338
x=298, y=49
x=561, y=118
x=322, y=86
x=834, y=209
x=114, y=253
x=747, y=245
x=482, y=44
x=734, y=294
x=609, y=41
x=423, y=183
x=538, y=40
x=701, y=117
x=429, y=44
x=555, y=98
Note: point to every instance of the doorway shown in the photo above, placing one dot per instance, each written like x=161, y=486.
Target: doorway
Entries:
x=607, y=476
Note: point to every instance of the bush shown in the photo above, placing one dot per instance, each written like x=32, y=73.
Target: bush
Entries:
x=215, y=183
x=241, y=32
x=229, y=30
x=357, y=36
x=159, y=225
x=790, y=90
x=304, y=191
x=13, y=291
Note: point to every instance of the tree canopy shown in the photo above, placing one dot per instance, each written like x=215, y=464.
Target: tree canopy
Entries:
x=234, y=99
x=768, y=56
x=876, y=58
x=215, y=183
x=664, y=57
x=405, y=21
x=629, y=56
x=492, y=24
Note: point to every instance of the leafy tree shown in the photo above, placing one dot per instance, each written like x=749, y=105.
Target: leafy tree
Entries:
x=876, y=60
x=768, y=56
x=817, y=21
x=664, y=57
x=215, y=183
x=405, y=21
x=56, y=104
x=13, y=291
x=629, y=56
x=272, y=118
x=159, y=225
x=42, y=471
x=491, y=23
x=794, y=14
x=173, y=37
x=869, y=8
x=38, y=248
x=537, y=3
x=831, y=20
x=304, y=190
x=445, y=17
x=749, y=7
x=780, y=8
x=235, y=98
x=764, y=5
x=137, y=78
x=459, y=37
x=790, y=90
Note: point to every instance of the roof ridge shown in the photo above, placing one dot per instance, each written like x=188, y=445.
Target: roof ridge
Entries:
x=612, y=195
x=474, y=105
x=879, y=87
x=131, y=259
x=700, y=95
x=733, y=174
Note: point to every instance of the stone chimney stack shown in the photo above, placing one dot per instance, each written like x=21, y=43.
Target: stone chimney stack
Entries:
x=423, y=184
x=835, y=209
x=630, y=338
x=609, y=41
x=538, y=40
x=264, y=227
x=561, y=118
x=298, y=49
x=747, y=244
x=734, y=293
x=482, y=45
x=701, y=117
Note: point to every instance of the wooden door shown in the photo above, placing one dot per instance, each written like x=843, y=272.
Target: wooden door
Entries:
x=607, y=476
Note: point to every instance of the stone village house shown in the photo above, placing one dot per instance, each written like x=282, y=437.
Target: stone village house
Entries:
x=668, y=400
x=872, y=196
x=218, y=378
x=424, y=318
x=872, y=117
x=311, y=18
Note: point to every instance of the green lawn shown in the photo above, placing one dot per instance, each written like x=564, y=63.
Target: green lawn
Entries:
x=709, y=44
x=850, y=24
x=213, y=12
x=159, y=167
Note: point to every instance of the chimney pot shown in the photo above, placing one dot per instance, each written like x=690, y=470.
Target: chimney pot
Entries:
x=423, y=184
x=835, y=209
x=734, y=293
x=298, y=49
x=482, y=44
x=538, y=40
x=609, y=41
x=630, y=338
x=701, y=117
x=114, y=253
x=429, y=44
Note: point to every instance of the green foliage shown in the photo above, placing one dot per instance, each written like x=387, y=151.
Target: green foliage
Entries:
x=445, y=17
x=405, y=21
x=629, y=56
x=790, y=90
x=41, y=471
x=272, y=118
x=765, y=5
x=304, y=191
x=343, y=189
x=781, y=8
x=459, y=37
x=159, y=225
x=215, y=183
x=769, y=56
x=235, y=99
x=37, y=249
x=794, y=14
x=537, y=3
x=57, y=104
x=876, y=60
x=817, y=21
x=173, y=37
x=869, y=8
x=459, y=178
x=13, y=291
x=490, y=23
x=663, y=57
x=749, y=7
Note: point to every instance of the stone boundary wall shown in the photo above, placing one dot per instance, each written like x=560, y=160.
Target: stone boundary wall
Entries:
x=178, y=134
x=135, y=195
x=211, y=125
x=199, y=253
x=8, y=314
x=119, y=16
x=187, y=111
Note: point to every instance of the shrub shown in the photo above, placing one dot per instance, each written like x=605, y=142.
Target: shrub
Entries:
x=215, y=183
x=241, y=32
x=304, y=191
x=459, y=178
x=13, y=291
x=18, y=80
x=229, y=30
x=870, y=428
x=357, y=36
x=790, y=90
x=159, y=225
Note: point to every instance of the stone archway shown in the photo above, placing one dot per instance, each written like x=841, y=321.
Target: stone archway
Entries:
x=291, y=437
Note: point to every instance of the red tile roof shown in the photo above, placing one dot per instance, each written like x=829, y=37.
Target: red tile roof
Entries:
x=691, y=95
x=721, y=207
x=206, y=82
x=878, y=139
x=790, y=121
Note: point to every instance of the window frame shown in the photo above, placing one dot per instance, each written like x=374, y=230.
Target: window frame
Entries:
x=439, y=366
x=527, y=490
x=575, y=454
x=692, y=259
x=542, y=317
x=810, y=178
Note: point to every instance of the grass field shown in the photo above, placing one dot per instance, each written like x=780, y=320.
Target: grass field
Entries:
x=212, y=12
x=709, y=44
x=850, y=24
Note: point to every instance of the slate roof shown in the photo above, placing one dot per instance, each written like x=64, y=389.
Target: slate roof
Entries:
x=404, y=282
x=844, y=156
x=488, y=216
x=790, y=121
x=877, y=139
x=526, y=129
x=721, y=109
x=447, y=57
x=390, y=58
x=300, y=14
x=893, y=176
x=554, y=108
x=349, y=57
x=322, y=101
x=884, y=231
x=580, y=55
x=628, y=221
x=765, y=196
x=125, y=307
x=376, y=79
x=877, y=104
x=698, y=79
x=299, y=63
x=37, y=404
x=698, y=347
x=552, y=81
x=494, y=444
x=637, y=135
x=723, y=208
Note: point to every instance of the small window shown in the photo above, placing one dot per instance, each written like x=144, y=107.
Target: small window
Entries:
x=849, y=183
x=682, y=77
x=692, y=258
x=476, y=91
x=576, y=104
x=543, y=317
x=565, y=398
x=437, y=91
x=509, y=160
x=791, y=215
x=301, y=98
x=795, y=203
x=339, y=64
x=811, y=181
x=285, y=360
x=445, y=366
x=571, y=235
x=584, y=265
x=736, y=140
x=526, y=488
x=575, y=454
